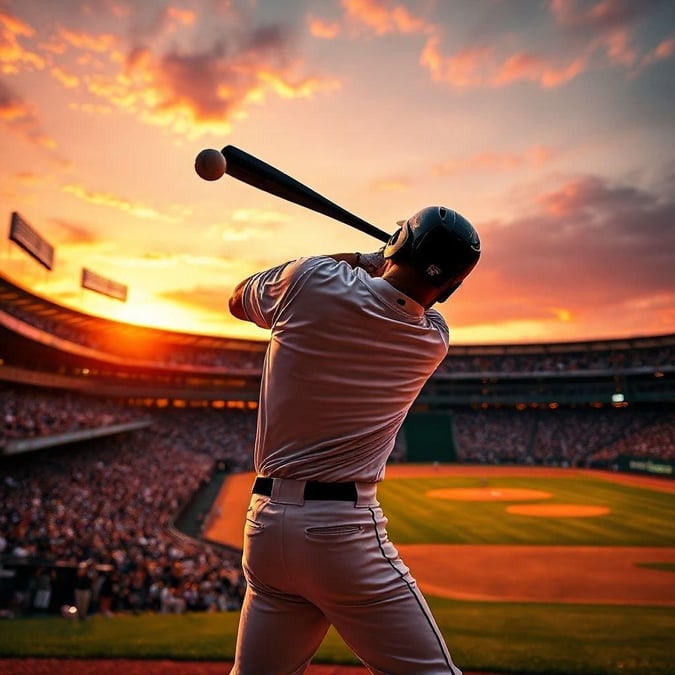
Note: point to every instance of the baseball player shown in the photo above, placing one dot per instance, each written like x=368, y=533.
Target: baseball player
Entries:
x=353, y=340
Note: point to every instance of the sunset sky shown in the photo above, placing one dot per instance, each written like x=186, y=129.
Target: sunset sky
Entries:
x=548, y=123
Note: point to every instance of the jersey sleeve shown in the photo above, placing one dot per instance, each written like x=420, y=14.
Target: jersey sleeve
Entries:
x=266, y=293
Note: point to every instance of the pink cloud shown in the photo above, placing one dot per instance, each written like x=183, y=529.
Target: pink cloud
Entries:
x=326, y=30
x=590, y=250
x=536, y=68
x=466, y=68
x=383, y=17
x=184, y=16
x=619, y=48
x=591, y=240
x=221, y=81
x=21, y=118
x=535, y=156
x=497, y=63
x=480, y=66
x=664, y=50
x=13, y=55
x=101, y=43
x=392, y=184
x=159, y=79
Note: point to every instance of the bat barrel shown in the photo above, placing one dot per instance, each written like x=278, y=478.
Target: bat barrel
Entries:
x=253, y=171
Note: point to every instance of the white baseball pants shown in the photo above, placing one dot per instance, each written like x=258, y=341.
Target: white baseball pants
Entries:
x=312, y=563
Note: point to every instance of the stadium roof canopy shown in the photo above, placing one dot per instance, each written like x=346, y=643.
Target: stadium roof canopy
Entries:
x=19, y=301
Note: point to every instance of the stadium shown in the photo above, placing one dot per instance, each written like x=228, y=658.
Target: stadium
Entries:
x=126, y=451
x=242, y=429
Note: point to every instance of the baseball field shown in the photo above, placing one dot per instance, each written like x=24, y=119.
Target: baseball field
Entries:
x=528, y=570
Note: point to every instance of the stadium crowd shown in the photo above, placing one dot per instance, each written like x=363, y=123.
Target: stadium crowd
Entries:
x=656, y=441
x=580, y=437
x=30, y=413
x=109, y=507
x=559, y=362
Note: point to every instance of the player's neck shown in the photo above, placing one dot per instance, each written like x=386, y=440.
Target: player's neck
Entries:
x=407, y=281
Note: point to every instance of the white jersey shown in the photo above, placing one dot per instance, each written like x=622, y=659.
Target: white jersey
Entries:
x=347, y=357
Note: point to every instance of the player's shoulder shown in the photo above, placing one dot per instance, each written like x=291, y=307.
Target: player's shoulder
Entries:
x=319, y=266
x=436, y=319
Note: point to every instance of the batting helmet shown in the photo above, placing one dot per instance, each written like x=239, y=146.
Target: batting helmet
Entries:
x=439, y=243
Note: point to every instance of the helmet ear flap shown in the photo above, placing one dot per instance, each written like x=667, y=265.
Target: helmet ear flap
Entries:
x=448, y=292
x=396, y=246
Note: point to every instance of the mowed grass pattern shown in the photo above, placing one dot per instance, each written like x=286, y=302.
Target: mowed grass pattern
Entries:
x=637, y=517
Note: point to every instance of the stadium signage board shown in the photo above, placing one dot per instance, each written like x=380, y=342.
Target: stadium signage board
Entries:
x=21, y=233
x=100, y=284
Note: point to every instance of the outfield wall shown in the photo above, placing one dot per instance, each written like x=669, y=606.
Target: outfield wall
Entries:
x=654, y=467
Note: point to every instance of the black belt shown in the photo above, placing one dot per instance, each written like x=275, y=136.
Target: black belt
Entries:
x=336, y=492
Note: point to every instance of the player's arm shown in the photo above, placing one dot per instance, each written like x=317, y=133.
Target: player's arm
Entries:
x=257, y=297
x=236, y=303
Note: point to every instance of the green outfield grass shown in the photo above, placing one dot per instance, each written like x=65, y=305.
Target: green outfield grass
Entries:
x=520, y=638
x=499, y=637
x=638, y=517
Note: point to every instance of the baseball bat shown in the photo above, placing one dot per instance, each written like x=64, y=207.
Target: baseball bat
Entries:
x=253, y=171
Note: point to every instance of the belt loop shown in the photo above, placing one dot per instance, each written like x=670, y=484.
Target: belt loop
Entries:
x=287, y=491
x=367, y=495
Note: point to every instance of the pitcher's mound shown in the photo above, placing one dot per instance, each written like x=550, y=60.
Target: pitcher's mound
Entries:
x=488, y=494
x=558, y=510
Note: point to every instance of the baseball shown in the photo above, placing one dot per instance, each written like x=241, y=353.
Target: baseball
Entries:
x=210, y=164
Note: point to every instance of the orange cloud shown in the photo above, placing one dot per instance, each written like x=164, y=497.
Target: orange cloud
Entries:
x=607, y=25
x=183, y=91
x=479, y=66
x=197, y=93
x=496, y=161
x=565, y=200
x=393, y=184
x=323, y=29
x=466, y=68
x=535, y=68
x=293, y=88
x=13, y=56
x=112, y=201
x=619, y=49
x=20, y=117
x=185, y=16
x=15, y=26
x=67, y=80
x=597, y=28
x=383, y=17
x=553, y=260
x=664, y=50
x=102, y=43
x=190, y=93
